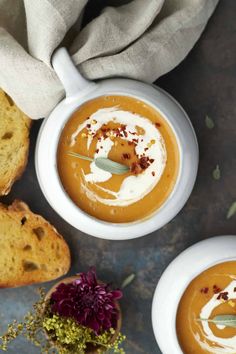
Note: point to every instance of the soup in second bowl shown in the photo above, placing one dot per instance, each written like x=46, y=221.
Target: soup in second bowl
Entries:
x=130, y=132
x=206, y=316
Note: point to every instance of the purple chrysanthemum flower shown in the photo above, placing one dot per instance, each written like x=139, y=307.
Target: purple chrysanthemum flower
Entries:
x=90, y=303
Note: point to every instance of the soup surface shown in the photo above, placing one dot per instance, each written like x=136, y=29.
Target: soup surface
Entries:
x=211, y=294
x=130, y=132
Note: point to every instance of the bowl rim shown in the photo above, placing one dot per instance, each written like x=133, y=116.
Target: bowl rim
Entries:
x=103, y=229
x=173, y=283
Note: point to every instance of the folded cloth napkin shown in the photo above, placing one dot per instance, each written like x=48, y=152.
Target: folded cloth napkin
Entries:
x=139, y=39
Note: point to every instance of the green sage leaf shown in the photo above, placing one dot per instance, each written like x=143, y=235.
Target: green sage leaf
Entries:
x=104, y=163
x=128, y=280
x=232, y=210
x=216, y=174
x=111, y=166
x=222, y=320
x=209, y=122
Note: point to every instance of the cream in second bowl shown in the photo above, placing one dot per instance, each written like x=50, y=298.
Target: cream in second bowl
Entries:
x=128, y=131
x=210, y=294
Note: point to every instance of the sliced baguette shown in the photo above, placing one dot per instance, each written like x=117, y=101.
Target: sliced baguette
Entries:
x=14, y=142
x=31, y=250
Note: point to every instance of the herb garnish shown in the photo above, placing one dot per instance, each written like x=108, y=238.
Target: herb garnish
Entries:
x=127, y=280
x=216, y=174
x=104, y=163
x=209, y=122
x=222, y=320
x=232, y=210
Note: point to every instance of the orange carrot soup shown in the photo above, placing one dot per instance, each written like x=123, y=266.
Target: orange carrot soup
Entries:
x=206, y=317
x=131, y=133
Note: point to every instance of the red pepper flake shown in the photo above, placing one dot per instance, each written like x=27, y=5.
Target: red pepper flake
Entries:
x=144, y=162
x=216, y=289
x=235, y=289
x=158, y=125
x=117, y=132
x=130, y=143
x=146, y=149
x=97, y=150
x=125, y=133
x=135, y=141
x=88, y=126
x=126, y=156
x=204, y=290
x=223, y=295
x=136, y=168
x=153, y=173
x=105, y=130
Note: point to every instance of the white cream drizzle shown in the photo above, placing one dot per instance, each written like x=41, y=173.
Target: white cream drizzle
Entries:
x=218, y=345
x=135, y=187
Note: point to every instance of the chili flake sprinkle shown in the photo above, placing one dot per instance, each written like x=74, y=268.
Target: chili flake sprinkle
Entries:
x=142, y=164
x=216, y=289
x=126, y=156
x=136, y=168
x=223, y=296
x=204, y=290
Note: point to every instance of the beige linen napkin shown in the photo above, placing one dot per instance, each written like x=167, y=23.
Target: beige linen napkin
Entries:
x=141, y=39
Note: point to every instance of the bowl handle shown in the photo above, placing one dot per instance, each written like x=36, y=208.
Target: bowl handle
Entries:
x=70, y=77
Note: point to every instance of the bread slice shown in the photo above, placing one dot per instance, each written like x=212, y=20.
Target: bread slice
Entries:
x=31, y=250
x=14, y=142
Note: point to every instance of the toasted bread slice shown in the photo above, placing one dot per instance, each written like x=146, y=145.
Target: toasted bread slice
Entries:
x=14, y=142
x=31, y=250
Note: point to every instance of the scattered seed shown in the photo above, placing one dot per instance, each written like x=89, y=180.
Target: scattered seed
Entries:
x=209, y=122
x=128, y=280
x=216, y=174
x=232, y=210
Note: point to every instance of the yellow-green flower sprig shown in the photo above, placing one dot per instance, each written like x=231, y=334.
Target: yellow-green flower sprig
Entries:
x=64, y=334
x=31, y=327
x=69, y=337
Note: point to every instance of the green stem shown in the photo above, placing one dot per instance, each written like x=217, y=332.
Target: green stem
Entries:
x=75, y=154
x=97, y=343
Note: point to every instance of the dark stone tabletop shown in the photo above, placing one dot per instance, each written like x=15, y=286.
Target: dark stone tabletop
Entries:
x=205, y=84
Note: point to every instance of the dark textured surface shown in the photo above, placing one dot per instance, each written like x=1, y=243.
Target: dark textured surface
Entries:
x=205, y=83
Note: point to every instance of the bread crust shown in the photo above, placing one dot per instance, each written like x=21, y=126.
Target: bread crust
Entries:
x=8, y=109
x=39, y=252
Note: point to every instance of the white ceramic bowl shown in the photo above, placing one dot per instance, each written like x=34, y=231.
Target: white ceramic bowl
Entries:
x=174, y=281
x=78, y=90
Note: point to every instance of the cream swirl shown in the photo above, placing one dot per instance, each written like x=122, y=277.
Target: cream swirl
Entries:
x=218, y=344
x=134, y=187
